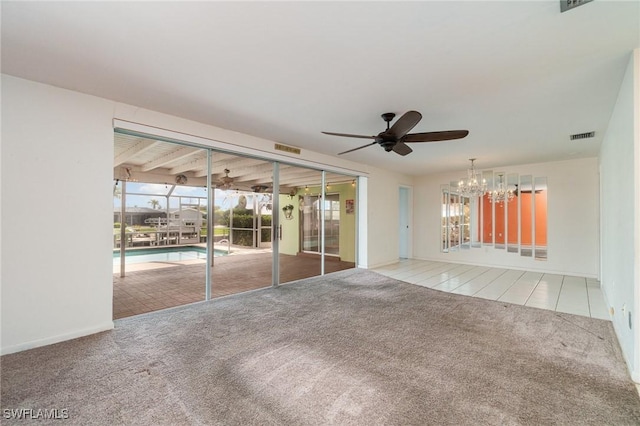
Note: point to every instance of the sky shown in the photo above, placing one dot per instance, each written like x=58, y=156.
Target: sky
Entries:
x=188, y=194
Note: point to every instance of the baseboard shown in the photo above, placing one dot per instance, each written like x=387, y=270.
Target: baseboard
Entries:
x=381, y=264
x=516, y=267
x=56, y=339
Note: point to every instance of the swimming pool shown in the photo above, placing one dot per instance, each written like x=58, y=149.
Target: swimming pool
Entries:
x=165, y=254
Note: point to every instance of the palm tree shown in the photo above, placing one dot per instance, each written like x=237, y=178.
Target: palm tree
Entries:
x=155, y=204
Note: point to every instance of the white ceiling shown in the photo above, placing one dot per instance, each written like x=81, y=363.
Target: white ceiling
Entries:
x=520, y=76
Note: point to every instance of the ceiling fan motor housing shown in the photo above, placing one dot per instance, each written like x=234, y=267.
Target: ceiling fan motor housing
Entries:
x=386, y=141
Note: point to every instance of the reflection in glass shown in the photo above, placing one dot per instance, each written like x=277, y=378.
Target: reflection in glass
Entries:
x=455, y=217
x=465, y=222
x=445, y=209
x=487, y=211
x=540, y=206
x=526, y=215
x=499, y=216
x=474, y=221
x=512, y=215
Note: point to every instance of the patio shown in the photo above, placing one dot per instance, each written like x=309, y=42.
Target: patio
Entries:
x=168, y=285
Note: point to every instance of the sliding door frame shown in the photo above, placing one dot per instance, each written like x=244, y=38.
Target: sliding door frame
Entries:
x=212, y=146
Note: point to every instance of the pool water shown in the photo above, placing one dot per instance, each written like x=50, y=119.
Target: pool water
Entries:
x=165, y=254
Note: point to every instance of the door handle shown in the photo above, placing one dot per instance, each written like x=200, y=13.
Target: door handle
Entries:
x=280, y=232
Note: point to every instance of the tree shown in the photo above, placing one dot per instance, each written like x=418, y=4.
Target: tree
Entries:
x=155, y=204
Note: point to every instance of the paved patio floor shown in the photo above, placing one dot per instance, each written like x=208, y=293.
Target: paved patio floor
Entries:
x=160, y=286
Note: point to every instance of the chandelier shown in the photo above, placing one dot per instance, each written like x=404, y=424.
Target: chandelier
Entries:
x=501, y=192
x=473, y=186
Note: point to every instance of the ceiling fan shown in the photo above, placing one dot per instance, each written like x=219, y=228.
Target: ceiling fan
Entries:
x=225, y=181
x=396, y=137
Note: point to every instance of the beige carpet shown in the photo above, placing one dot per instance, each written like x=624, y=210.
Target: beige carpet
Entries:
x=353, y=347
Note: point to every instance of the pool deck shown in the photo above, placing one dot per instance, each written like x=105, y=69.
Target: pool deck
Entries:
x=159, y=285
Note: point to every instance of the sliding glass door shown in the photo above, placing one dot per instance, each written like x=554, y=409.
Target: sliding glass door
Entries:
x=242, y=213
x=300, y=223
x=159, y=225
x=317, y=222
x=193, y=223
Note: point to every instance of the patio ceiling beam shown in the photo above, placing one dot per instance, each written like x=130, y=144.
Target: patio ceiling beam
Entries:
x=234, y=166
x=314, y=179
x=195, y=165
x=139, y=147
x=176, y=155
x=255, y=171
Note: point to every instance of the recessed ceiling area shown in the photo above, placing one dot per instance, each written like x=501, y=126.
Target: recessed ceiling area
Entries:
x=521, y=77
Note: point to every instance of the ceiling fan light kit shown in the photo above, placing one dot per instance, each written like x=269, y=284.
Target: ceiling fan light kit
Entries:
x=396, y=137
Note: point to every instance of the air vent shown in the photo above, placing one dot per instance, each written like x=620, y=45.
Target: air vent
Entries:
x=582, y=135
x=571, y=4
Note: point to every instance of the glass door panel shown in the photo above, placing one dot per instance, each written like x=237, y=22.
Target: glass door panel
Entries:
x=242, y=212
x=160, y=210
x=300, y=218
x=340, y=212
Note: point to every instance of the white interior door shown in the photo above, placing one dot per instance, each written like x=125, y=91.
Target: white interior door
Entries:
x=404, y=236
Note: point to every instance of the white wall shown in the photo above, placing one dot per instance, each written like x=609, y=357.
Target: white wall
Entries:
x=57, y=206
x=383, y=217
x=620, y=214
x=572, y=215
x=56, y=146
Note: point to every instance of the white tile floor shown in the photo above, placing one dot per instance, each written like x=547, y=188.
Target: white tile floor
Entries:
x=560, y=293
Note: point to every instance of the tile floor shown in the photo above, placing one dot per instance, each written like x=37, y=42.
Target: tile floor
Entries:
x=560, y=293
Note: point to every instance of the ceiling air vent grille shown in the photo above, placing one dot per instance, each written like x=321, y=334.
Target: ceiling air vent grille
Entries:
x=571, y=4
x=582, y=135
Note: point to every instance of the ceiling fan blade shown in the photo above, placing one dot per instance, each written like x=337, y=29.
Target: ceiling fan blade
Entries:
x=435, y=136
x=402, y=149
x=347, y=135
x=404, y=124
x=360, y=147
